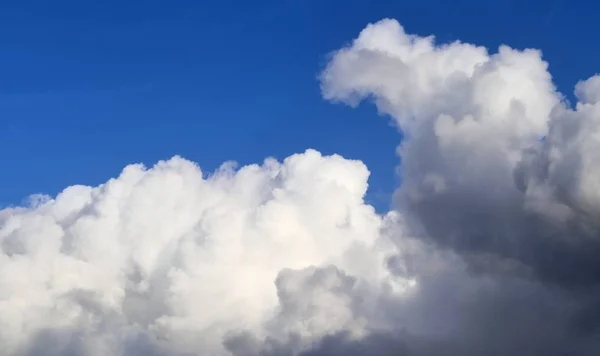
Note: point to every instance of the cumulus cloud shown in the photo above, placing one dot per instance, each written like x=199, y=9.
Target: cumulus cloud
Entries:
x=171, y=259
x=498, y=169
x=493, y=248
x=477, y=175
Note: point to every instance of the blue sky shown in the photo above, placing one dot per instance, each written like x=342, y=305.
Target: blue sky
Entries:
x=87, y=87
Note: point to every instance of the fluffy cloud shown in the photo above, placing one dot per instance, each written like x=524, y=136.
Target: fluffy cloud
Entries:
x=494, y=162
x=497, y=169
x=493, y=249
x=170, y=260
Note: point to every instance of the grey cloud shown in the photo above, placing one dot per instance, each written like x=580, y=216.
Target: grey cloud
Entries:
x=497, y=171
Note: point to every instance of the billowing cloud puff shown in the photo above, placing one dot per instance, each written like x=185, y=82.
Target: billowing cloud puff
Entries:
x=172, y=259
x=493, y=248
x=494, y=162
x=496, y=168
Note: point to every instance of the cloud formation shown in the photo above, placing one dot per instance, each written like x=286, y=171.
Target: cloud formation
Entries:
x=171, y=260
x=498, y=169
x=494, y=247
x=494, y=162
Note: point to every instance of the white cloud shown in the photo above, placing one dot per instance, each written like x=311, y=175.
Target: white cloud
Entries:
x=452, y=100
x=178, y=256
x=493, y=248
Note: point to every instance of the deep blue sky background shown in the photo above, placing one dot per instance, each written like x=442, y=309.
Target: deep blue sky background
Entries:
x=87, y=87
